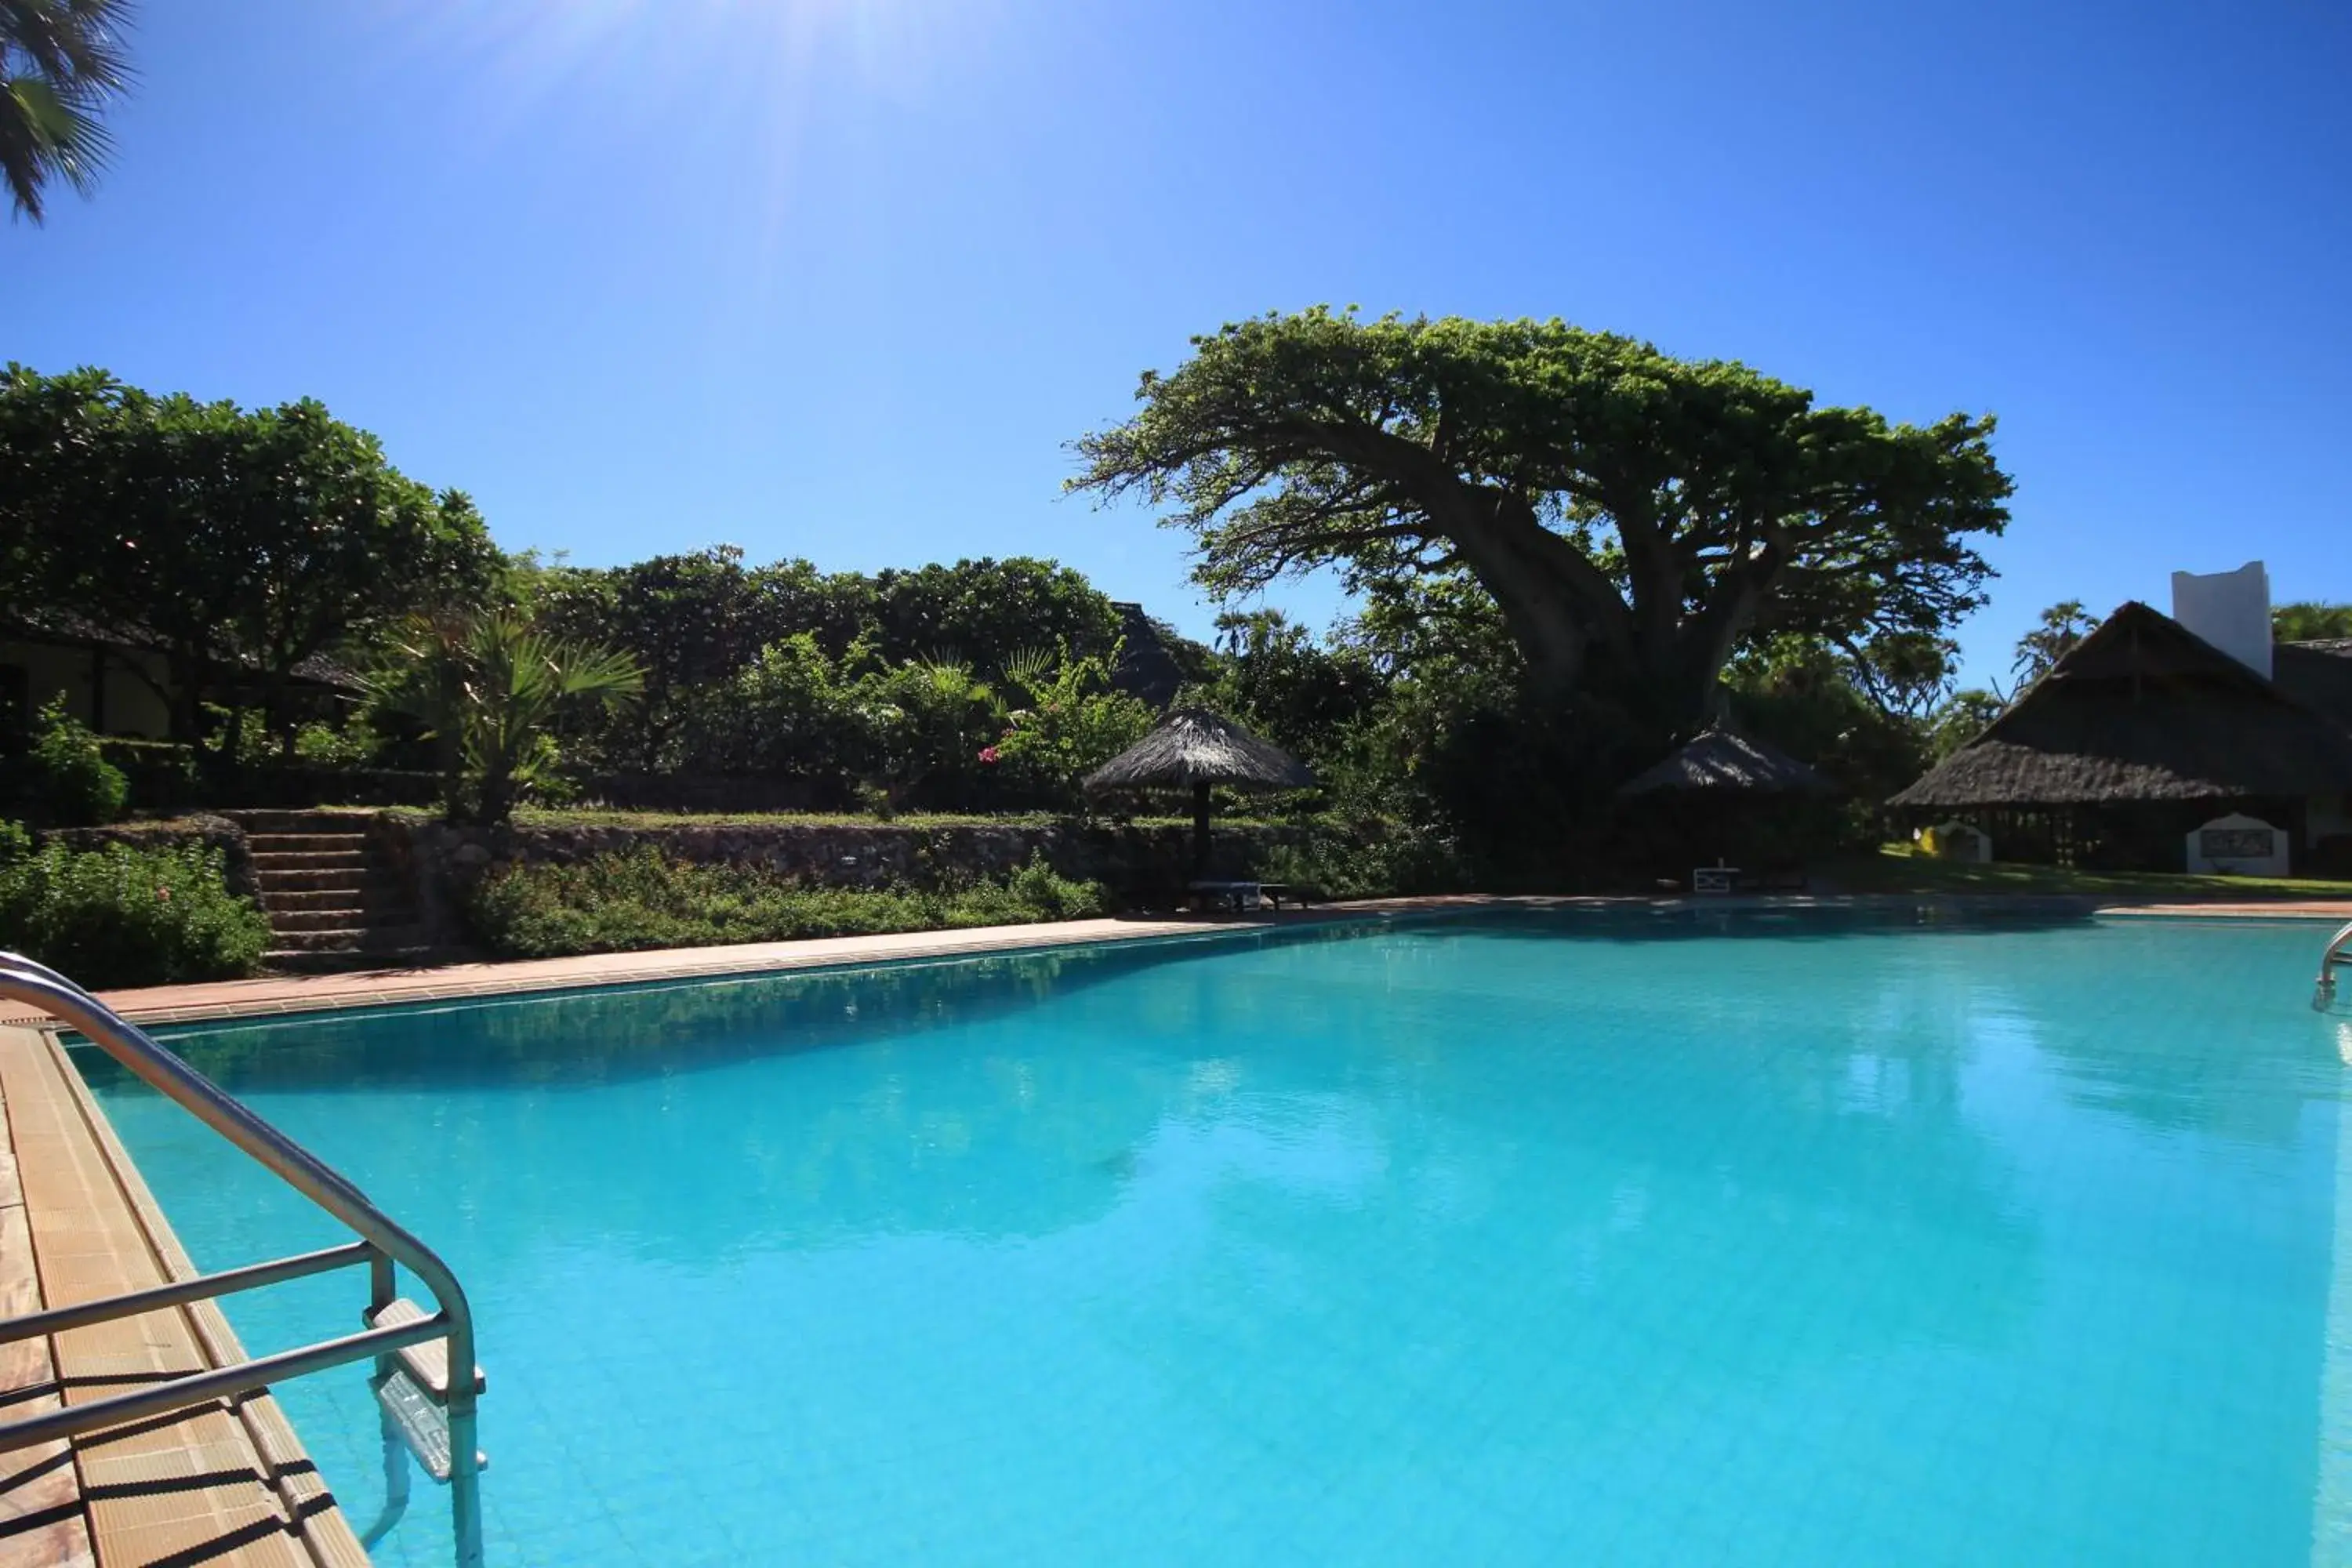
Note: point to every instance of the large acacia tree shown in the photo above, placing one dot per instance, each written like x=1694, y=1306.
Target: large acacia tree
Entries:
x=1632, y=516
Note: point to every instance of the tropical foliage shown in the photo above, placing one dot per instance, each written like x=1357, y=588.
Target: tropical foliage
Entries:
x=644, y=899
x=2060, y=628
x=120, y=916
x=700, y=624
x=61, y=62
x=63, y=779
x=2311, y=621
x=489, y=686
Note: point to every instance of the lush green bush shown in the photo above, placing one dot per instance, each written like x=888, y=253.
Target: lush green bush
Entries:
x=120, y=916
x=1368, y=860
x=1074, y=722
x=351, y=744
x=67, y=781
x=617, y=903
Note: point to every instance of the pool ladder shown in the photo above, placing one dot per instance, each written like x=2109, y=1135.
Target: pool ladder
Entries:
x=2337, y=956
x=423, y=1409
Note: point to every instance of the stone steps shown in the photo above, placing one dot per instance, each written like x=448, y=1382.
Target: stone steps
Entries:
x=267, y=860
x=349, y=939
x=332, y=902
x=304, y=843
x=356, y=879
x=345, y=893
x=344, y=918
x=273, y=824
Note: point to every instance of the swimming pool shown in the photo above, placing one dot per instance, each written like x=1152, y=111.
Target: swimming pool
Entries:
x=1518, y=1240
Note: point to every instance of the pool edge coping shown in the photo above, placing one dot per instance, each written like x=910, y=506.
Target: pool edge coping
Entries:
x=314, y=1527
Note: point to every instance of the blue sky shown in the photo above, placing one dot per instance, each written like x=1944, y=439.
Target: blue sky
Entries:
x=839, y=278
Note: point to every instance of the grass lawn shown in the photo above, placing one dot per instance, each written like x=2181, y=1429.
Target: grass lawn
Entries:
x=1898, y=868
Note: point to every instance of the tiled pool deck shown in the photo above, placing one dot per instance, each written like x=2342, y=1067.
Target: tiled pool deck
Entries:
x=228, y=1483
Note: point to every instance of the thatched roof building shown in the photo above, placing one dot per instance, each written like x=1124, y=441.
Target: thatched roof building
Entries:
x=2316, y=673
x=1147, y=669
x=1719, y=760
x=2142, y=710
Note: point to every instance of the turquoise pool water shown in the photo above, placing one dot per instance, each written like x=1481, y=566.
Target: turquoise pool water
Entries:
x=1755, y=1239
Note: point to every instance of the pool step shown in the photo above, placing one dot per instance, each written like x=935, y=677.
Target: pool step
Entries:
x=427, y=1364
x=422, y=1426
x=415, y=1392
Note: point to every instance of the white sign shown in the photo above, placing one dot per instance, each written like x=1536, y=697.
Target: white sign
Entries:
x=2238, y=846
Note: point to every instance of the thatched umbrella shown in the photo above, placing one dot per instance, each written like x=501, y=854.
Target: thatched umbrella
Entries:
x=1724, y=760
x=1193, y=748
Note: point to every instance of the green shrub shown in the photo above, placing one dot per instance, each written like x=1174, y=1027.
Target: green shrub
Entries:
x=617, y=903
x=1368, y=860
x=68, y=782
x=120, y=916
x=352, y=745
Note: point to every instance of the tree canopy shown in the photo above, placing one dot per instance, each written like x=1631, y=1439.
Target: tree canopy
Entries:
x=695, y=624
x=2051, y=639
x=2310, y=620
x=1630, y=515
x=243, y=543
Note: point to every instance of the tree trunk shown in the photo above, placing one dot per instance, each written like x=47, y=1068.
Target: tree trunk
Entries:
x=1652, y=668
x=1557, y=606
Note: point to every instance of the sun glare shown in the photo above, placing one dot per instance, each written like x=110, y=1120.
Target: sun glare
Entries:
x=538, y=46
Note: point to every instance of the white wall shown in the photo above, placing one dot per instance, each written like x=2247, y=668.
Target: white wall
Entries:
x=2231, y=610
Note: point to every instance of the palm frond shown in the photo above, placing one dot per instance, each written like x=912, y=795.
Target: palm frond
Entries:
x=1030, y=670
x=62, y=61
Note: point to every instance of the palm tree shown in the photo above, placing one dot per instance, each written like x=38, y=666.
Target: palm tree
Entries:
x=60, y=61
x=2061, y=627
x=488, y=685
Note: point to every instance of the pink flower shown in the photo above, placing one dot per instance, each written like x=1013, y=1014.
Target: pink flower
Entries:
x=987, y=754
x=162, y=895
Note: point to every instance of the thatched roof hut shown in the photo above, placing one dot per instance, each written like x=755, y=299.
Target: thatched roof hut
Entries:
x=2143, y=709
x=1195, y=749
x=1721, y=760
x=1146, y=668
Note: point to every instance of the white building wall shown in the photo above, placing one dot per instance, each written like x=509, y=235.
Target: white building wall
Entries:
x=2231, y=610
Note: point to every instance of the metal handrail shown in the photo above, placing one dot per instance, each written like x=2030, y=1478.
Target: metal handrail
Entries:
x=385, y=1242
x=2338, y=952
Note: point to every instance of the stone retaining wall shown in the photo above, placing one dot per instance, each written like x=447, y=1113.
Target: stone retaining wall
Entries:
x=1132, y=861
x=214, y=832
